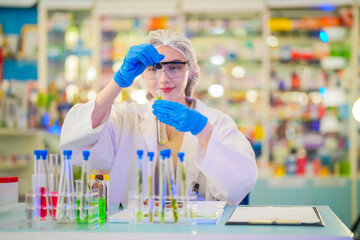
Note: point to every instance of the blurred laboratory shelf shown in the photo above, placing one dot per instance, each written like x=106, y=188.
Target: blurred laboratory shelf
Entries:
x=17, y=151
x=19, y=132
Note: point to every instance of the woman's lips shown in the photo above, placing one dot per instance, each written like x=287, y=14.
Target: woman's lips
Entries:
x=167, y=90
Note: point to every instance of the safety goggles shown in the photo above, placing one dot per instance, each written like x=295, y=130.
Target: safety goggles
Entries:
x=173, y=70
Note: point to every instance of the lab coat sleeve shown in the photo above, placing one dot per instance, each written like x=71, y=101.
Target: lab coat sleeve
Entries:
x=77, y=135
x=228, y=163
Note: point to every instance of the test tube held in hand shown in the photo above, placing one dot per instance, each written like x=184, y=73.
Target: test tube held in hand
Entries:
x=159, y=95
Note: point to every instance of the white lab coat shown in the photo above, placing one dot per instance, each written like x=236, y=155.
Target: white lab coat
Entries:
x=226, y=170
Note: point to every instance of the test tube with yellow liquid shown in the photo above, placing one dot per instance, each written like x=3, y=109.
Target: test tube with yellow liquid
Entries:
x=159, y=95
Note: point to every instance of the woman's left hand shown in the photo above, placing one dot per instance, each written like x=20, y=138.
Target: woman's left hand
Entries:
x=179, y=116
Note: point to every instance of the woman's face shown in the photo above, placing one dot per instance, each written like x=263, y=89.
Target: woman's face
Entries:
x=174, y=75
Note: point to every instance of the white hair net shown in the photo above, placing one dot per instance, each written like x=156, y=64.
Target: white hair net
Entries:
x=177, y=40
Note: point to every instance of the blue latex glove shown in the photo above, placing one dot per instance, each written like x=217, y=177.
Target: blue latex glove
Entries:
x=179, y=116
x=136, y=60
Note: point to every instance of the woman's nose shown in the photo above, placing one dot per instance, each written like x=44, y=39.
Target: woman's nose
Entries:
x=163, y=77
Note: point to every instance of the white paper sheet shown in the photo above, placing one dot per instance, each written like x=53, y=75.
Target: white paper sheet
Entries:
x=277, y=214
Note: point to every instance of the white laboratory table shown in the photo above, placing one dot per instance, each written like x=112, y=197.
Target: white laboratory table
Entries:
x=13, y=228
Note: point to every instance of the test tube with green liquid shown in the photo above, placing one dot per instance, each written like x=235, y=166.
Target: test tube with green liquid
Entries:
x=139, y=183
x=171, y=183
x=150, y=185
x=84, y=186
x=159, y=95
x=183, y=182
x=162, y=185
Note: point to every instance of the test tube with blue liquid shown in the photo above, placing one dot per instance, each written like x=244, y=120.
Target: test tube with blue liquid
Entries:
x=159, y=95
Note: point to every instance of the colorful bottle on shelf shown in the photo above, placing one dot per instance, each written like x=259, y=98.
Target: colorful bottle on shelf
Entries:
x=301, y=163
x=316, y=166
x=345, y=168
x=290, y=163
x=295, y=81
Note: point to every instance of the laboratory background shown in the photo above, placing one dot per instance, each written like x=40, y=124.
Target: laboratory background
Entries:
x=287, y=72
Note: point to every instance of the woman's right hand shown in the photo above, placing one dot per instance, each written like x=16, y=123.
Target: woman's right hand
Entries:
x=136, y=60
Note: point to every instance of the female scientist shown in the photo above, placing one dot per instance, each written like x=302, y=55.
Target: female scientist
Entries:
x=220, y=160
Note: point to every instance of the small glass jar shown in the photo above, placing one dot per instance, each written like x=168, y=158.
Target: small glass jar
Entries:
x=9, y=190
